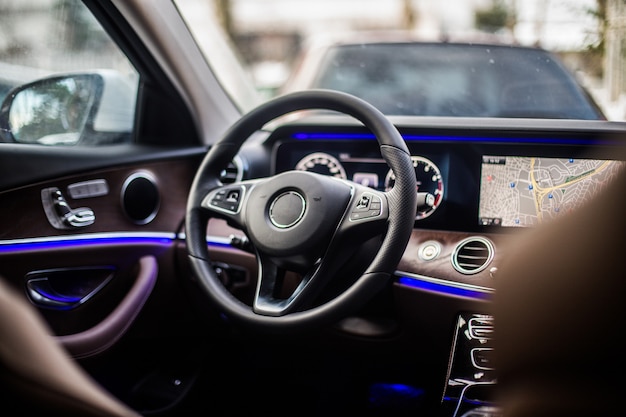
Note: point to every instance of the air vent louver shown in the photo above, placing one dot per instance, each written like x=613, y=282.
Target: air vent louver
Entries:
x=472, y=255
x=232, y=173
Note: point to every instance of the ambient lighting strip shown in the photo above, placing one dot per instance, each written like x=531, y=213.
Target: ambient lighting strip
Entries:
x=167, y=239
x=62, y=242
x=437, y=138
x=445, y=287
x=130, y=238
x=220, y=241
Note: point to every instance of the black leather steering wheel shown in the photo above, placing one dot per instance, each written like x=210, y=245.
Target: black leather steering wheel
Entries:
x=302, y=221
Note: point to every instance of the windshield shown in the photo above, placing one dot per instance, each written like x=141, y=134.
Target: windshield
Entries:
x=464, y=58
x=465, y=80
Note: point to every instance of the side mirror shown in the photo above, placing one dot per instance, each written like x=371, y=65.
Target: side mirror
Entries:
x=87, y=108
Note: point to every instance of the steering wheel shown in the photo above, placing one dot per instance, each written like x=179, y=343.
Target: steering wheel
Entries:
x=302, y=221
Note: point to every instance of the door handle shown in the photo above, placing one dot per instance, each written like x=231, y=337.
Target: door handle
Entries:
x=42, y=294
x=66, y=288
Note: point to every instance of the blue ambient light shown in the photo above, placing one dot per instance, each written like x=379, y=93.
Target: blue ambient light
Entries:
x=444, y=138
x=444, y=289
x=394, y=395
x=24, y=245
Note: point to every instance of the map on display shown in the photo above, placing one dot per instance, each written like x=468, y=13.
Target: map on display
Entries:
x=524, y=191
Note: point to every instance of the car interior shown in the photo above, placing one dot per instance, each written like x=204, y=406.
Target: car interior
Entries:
x=171, y=249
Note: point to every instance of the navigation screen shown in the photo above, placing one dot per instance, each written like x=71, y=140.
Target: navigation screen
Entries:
x=522, y=191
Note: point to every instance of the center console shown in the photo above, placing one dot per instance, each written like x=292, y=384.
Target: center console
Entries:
x=470, y=389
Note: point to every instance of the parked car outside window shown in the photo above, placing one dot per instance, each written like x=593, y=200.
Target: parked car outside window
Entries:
x=448, y=79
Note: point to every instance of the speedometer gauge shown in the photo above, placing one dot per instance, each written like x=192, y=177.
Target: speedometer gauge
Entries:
x=322, y=163
x=429, y=186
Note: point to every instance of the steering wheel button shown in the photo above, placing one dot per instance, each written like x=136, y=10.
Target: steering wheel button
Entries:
x=229, y=206
x=358, y=215
x=233, y=196
x=362, y=205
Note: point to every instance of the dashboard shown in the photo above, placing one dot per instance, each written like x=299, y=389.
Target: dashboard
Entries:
x=479, y=182
x=471, y=180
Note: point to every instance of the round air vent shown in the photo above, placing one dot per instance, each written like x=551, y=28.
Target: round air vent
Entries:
x=140, y=198
x=233, y=172
x=472, y=255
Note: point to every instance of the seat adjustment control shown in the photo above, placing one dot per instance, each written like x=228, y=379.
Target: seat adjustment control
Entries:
x=60, y=214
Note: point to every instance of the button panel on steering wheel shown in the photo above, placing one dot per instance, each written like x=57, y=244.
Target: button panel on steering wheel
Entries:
x=367, y=206
x=227, y=199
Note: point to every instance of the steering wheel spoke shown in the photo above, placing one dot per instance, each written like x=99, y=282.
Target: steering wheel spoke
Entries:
x=268, y=298
x=272, y=300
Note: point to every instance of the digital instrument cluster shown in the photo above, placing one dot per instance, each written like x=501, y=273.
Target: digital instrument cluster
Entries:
x=365, y=167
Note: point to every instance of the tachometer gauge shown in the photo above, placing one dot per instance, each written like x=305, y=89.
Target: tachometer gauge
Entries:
x=322, y=163
x=429, y=186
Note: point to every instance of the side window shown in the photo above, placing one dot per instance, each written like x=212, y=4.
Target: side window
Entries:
x=63, y=81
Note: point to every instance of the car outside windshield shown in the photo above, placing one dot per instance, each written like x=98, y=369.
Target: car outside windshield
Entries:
x=457, y=80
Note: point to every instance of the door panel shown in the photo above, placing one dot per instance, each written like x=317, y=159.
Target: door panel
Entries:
x=172, y=179
x=141, y=255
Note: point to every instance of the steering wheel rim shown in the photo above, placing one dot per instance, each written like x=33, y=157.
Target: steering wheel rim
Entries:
x=400, y=202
